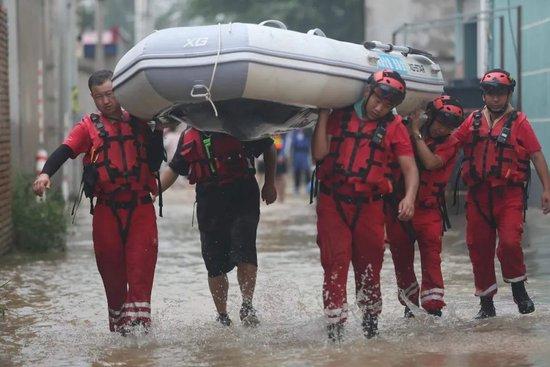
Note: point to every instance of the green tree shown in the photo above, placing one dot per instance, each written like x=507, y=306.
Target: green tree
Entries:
x=342, y=20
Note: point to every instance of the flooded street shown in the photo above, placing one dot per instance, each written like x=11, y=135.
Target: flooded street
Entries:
x=57, y=315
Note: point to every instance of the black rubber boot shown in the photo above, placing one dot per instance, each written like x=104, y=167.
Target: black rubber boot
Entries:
x=525, y=304
x=437, y=313
x=135, y=328
x=408, y=314
x=487, y=308
x=223, y=319
x=370, y=325
x=335, y=332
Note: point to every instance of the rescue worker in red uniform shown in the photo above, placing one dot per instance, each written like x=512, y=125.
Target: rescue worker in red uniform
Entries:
x=435, y=153
x=228, y=208
x=352, y=147
x=499, y=144
x=121, y=156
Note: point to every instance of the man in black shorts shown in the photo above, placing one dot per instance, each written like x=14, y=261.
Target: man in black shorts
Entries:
x=228, y=208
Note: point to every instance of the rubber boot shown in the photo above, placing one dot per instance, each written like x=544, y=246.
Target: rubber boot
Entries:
x=370, y=325
x=335, y=332
x=525, y=304
x=487, y=308
x=437, y=313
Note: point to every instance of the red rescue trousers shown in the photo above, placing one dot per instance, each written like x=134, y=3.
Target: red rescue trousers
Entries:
x=426, y=228
x=492, y=211
x=127, y=268
x=340, y=243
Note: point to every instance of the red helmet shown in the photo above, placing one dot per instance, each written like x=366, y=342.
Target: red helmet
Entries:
x=447, y=110
x=388, y=85
x=497, y=80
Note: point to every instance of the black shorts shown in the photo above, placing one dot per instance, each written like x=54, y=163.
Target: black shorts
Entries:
x=228, y=219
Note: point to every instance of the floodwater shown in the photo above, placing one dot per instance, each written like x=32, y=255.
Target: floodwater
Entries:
x=57, y=315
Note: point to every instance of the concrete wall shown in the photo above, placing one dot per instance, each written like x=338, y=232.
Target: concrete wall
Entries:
x=30, y=30
x=383, y=18
x=535, y=59
x=42, y=46
x=535, y=70
x=5, y=145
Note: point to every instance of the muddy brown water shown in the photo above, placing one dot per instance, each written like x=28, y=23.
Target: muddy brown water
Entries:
x=57, y=315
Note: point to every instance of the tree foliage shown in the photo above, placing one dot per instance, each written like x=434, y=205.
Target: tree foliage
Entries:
x=38, y=226
x=342, y=20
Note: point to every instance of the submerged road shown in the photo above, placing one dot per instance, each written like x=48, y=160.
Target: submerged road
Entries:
x=57, y=314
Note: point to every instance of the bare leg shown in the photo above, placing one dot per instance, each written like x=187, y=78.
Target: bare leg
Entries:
x=246, y=275
x=218, y=288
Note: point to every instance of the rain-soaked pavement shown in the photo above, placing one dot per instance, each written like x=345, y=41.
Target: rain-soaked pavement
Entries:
x=57, y=315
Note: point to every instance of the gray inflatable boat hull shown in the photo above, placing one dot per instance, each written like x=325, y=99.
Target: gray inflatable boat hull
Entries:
x=261, y=80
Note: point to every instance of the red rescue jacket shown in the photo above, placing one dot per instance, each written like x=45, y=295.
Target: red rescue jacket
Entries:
x=216, y=158
x=493, y=154
x=431, y=191
x=120, y=156
x=359, y=156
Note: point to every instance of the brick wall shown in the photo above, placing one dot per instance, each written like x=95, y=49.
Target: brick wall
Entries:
x=5, y=172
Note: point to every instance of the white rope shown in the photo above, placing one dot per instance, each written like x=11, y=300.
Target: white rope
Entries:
x=208, y=94
x=209, y=99
x=217, y=56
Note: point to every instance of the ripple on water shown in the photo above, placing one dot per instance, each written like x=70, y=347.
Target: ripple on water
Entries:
x=57, y=313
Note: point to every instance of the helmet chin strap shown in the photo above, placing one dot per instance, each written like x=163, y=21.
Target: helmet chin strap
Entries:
x=426, y=128
x=371, y=91
x=498, y=112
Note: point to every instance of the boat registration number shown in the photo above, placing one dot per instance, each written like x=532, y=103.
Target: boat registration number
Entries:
x=394, y=63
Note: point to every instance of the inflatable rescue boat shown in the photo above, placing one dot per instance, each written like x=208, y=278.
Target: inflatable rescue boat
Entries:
x=254, y=80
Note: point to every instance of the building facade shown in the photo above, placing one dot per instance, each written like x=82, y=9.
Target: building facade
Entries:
x=6, y=235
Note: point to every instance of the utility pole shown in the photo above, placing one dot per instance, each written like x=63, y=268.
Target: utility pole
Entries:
x=143, y=20
x=483, y=34
x=67, y=36
x=365, y=10
x=459, y=41
x=99, y=23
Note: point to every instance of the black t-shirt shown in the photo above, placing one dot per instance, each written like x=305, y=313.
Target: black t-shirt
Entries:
x=253, y=150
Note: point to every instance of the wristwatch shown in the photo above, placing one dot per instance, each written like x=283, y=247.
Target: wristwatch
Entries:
x=417, y=136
